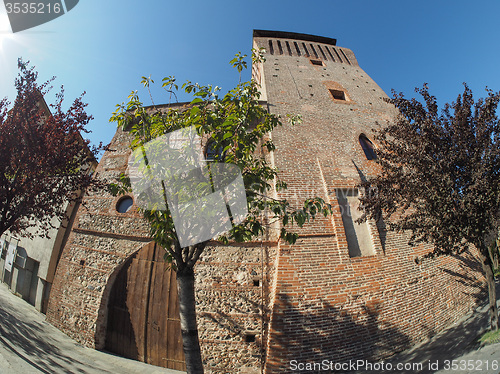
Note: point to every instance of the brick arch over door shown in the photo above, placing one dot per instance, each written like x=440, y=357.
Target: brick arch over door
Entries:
x=143, y=311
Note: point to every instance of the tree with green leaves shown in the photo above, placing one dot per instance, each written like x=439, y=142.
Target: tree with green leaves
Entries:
x=238, y=127
x=440, y=177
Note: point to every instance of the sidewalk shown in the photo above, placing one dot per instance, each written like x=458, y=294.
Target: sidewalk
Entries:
x=29, y=344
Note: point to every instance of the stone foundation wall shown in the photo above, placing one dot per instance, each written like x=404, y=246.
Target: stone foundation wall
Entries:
x=99, y=244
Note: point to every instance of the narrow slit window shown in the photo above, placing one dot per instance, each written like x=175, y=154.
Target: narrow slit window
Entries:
x=288, y=47
x=367, y=147
x=330, y=54
x=314, y=51
x=305, y=49
x=271, y=47
x=280, y=48
x=343, y=54
x=323, y=53
x=359, y=241
x=316, y=62
x=297, y=48
x=338, y=56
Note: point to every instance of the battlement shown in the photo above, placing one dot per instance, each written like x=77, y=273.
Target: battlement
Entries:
x=303, y=45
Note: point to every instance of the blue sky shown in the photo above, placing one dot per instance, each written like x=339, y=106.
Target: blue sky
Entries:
x=104, y=47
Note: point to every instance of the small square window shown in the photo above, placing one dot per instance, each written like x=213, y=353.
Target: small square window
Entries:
x=338, y=95
x=249, y=338
x=316, y=62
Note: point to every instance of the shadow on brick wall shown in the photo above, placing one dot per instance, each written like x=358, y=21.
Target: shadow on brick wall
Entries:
x=469, y=284
x=312, y=335
x=330, y=334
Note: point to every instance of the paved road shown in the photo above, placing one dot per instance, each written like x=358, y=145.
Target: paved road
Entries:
x=29, y=344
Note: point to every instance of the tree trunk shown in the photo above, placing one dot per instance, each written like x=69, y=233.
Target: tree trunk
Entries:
x=490, y=280
x=189, y=328
x=494, y=255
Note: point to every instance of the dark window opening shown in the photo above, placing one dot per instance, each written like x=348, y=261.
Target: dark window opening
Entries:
x=256, y=283
x=316, y=62
x=338, y=95
x=338, y=56
x=330, y=54
x=323, y=53
x=343, y=54
x=280, y=48
x=368, y=148
x=82, y=262
x=4, y=248
x=314, y=51
x=288, y=47
x=250, y=338
x=305, y=49
x=271, y=48
x=214, y=154
x=297, y=48
x=124, y=204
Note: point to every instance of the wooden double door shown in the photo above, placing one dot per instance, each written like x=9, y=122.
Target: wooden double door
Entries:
x=143, y=311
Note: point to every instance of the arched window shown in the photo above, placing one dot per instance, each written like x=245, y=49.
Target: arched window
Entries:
x=124, y=204
x=213, y=154
x=368, y=148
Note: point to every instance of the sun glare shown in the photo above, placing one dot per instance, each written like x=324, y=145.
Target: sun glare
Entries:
x=5, y=31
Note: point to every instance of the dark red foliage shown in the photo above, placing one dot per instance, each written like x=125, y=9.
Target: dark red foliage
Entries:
x=440, y=178
x=44, y=161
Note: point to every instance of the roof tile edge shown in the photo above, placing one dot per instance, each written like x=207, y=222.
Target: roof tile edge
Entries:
x=293, y=35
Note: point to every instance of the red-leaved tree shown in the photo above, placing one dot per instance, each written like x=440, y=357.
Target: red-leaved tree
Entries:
x=440, y=178
x=44, y=161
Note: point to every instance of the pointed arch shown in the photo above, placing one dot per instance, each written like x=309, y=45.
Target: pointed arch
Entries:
x=368, y=147
x=140, y=315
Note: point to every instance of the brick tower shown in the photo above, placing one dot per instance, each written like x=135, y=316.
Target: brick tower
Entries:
x=343, y=292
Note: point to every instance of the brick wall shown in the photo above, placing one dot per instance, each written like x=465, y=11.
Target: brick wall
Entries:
x=326, y=304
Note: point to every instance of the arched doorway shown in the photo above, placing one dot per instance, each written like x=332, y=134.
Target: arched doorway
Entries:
x=143, y=311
